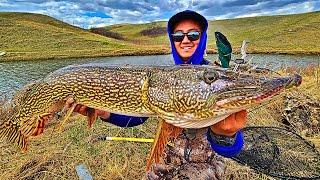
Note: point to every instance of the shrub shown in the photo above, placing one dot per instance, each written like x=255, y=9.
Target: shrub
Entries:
x=154, y=31
x=107, y=33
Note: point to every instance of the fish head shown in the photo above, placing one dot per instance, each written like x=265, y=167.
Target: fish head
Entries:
x=207, y=94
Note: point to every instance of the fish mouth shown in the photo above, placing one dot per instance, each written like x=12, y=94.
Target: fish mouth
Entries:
x=243, y=101
x=256, y=94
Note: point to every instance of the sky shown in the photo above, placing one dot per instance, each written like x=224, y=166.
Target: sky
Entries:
x=98, y=13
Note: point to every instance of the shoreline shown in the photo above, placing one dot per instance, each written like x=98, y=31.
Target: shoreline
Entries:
x=118, y=53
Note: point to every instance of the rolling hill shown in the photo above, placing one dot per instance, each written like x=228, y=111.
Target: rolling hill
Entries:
x=26, y=36
x=292, y=34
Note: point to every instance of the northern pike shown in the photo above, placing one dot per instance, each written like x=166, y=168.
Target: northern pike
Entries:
x=181, y=96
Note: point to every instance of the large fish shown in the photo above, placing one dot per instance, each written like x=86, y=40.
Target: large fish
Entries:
x=180, y=96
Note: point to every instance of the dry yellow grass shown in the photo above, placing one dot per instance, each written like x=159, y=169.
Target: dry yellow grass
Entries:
x=55, y=155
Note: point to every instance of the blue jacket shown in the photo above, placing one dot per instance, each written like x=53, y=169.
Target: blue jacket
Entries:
x=196, y=59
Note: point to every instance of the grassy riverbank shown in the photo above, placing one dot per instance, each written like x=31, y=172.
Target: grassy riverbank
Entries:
x=26, y=36
x=55, y=155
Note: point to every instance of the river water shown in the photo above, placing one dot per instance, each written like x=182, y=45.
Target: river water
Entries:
x=16, y=74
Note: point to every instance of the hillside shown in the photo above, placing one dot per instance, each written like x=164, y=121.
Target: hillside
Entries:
x=290, y=34
x=26, y=36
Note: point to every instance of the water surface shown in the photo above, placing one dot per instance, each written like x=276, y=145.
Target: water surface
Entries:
x=14, y=75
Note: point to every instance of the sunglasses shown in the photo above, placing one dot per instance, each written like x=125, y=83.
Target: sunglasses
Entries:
x=179, y=36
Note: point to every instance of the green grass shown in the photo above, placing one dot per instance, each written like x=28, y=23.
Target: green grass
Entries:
x=274, y=34
x=292, y=34
x=132, y=32
x=26, y=36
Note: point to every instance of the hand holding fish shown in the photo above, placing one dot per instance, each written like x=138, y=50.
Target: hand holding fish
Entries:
x=230, y=125
x=82, y=109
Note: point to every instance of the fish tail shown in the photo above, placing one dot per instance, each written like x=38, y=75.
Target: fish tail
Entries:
x=11, y=132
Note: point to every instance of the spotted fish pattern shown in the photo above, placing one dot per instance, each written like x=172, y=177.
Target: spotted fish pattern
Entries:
x=183, y=96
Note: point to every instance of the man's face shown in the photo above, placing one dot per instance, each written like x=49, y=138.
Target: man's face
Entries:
x=186, y=47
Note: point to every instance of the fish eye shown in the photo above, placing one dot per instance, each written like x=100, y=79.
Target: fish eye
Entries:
x=210, y=76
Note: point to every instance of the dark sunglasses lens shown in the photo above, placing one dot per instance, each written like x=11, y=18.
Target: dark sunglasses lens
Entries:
x=193, y=35
x=177, y=37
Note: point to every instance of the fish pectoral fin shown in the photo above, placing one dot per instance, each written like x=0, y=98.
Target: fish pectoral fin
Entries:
x=65, y=114
x=91, y=116
x=42, y=121
x=165, y=131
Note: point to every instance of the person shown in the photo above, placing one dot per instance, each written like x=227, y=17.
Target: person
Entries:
x=194, y=151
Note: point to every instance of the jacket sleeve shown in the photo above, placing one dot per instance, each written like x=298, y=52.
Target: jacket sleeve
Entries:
x=226, y=150
x=125, y=121
x=205, y=62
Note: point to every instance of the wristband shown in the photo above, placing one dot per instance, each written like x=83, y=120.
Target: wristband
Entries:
x=227, y=151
